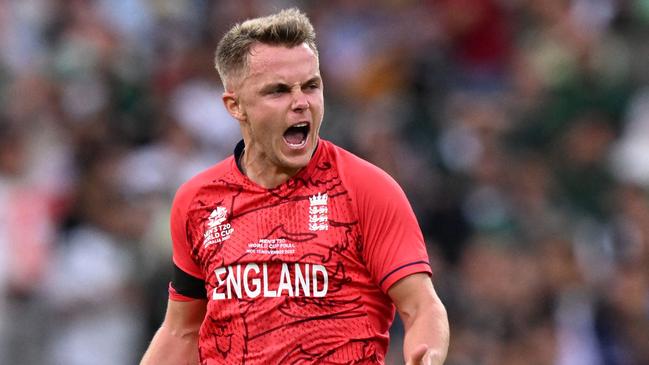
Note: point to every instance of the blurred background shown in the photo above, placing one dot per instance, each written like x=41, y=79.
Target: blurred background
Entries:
x=519, y=130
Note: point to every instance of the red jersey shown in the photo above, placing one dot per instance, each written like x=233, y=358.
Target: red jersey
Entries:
x=297, y=274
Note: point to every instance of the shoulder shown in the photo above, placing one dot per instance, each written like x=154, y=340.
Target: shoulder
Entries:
x=360, y=175
x=189, y=189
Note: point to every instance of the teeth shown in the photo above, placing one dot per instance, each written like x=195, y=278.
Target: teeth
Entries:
x=303, y=124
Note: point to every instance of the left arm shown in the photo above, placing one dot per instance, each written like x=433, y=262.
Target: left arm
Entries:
x=424, y=319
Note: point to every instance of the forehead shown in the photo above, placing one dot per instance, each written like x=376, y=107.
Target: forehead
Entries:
x=270, y=62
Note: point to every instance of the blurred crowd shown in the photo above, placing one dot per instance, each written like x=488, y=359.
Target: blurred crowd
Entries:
x=519, y=130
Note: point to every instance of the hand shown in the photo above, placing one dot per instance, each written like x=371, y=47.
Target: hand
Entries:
x=422, y=356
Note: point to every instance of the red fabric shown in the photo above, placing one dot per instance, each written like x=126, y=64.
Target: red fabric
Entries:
x=260, y=252
x=391, y=234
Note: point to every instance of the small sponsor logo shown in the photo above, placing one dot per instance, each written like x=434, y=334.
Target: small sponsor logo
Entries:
x=217, y=229
x=318, y=210
x=217, y=217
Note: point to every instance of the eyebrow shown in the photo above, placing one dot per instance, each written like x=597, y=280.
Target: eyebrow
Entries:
x=317, y=79
x=283, y=86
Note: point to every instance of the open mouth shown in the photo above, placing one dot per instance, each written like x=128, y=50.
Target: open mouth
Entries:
x=295, y=135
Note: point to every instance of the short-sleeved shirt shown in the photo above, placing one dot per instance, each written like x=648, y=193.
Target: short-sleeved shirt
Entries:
x=297, y=274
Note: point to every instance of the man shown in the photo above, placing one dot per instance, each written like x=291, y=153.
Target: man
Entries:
x=292, y=251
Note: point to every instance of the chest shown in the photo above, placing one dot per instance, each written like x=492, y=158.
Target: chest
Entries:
x=308, y=226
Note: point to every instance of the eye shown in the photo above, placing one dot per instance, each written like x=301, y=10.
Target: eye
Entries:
x=313, y=85
x=276, y=90
x=279, y=90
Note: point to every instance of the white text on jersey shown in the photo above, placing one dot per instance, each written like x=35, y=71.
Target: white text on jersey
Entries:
x=294, y=280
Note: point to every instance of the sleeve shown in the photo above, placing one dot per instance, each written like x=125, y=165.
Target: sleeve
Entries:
x=185, y=267
x=393, y=245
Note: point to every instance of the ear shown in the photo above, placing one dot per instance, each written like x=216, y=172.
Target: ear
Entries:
x=233, y=106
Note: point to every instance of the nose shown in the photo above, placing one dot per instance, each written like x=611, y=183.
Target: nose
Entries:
x=300, y=101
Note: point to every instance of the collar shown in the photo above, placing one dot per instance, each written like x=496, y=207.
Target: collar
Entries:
x=238, y=153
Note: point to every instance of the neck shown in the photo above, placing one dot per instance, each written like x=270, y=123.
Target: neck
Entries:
x=258, y=170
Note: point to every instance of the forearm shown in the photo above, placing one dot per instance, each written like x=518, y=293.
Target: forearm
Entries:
x=427, y=326
x=172, y=348
x=424, y=319
x=176, y=342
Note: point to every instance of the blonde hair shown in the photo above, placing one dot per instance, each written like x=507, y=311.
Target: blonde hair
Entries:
x=289, y=27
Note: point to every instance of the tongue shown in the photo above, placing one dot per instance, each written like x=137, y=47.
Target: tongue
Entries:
x=294, y=136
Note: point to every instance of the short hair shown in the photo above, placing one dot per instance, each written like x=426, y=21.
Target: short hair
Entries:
x=289, y=28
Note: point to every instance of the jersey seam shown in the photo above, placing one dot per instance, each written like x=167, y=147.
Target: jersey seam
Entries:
x=399, y=268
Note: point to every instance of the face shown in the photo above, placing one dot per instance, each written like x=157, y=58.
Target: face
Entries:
x=279, y=105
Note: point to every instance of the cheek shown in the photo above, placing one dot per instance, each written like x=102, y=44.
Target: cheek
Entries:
x=317, y=104
x=263, y=118
x=267, y=132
